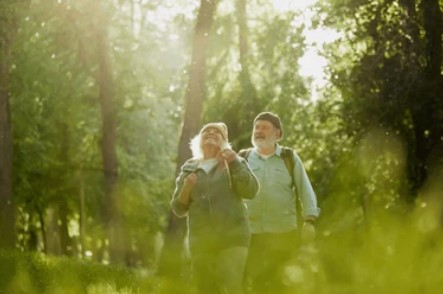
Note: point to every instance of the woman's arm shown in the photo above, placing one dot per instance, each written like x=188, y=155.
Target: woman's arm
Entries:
x=243, y=179
x=182, y=193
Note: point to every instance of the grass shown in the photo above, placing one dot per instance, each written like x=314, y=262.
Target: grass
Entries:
x=387, y=254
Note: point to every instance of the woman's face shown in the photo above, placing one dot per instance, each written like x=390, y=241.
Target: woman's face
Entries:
x=212, y=137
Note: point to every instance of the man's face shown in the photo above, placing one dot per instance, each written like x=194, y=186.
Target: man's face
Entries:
x=265, y=135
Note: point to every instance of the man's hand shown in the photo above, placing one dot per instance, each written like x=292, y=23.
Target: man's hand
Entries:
x=308, y=231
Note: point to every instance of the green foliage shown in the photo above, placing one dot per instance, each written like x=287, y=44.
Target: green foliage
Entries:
x=375, y=132
x=391, y=254
x=56, y=118
x=381, y=66
x=276, y=45
x=387, y=253
x=31, y=273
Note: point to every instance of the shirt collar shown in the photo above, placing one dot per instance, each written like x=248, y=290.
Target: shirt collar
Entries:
x=277, y=152
x=207, y=165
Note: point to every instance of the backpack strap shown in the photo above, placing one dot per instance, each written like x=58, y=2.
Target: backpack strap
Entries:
x=245, y=153
x=287, y=154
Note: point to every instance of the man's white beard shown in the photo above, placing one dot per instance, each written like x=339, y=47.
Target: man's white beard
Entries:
x=263, y=144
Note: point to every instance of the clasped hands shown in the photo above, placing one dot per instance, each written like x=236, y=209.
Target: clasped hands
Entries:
x=227, y=155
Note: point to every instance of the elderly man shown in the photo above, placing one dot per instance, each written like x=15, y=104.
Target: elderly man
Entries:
x=272, y=213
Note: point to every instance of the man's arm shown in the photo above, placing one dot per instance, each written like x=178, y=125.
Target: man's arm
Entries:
x=305, y=191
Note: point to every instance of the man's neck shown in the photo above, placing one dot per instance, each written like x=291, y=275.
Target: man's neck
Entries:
x=266, y=151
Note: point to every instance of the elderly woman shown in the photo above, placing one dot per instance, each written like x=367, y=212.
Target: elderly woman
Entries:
x=210, y=190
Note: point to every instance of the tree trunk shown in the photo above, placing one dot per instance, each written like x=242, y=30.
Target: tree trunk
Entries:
x=195, y=91
x=248, y=94
x=171, y=259
x=33, y=240
x=433, y=25
x=108, y=142
x=64, y=193
x=65, y=240
x=51, y=230
x=7, y=215
x=427, y=121
x=41, y=219
x=82, y=213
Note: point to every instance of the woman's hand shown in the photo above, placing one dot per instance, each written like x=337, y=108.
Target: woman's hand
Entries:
x=227, y=155
x=190, y=180
x=188, y=185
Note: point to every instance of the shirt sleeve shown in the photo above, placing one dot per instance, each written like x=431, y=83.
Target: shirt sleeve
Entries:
x=179, y=209
x=304, y=190
x=243, y=179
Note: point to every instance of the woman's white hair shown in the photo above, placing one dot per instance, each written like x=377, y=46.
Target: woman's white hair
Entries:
x=197, y=149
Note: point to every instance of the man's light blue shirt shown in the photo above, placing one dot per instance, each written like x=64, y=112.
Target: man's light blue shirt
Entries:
x=273, y=209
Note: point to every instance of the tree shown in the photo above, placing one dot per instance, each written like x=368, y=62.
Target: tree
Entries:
x=195, y=90
x=392, y=80
x=247, y=97
x=6, y=206
x=55, y=81
x=172, y=254
x=106, y=97
x=9, y=18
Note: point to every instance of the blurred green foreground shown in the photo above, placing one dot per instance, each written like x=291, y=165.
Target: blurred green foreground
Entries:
x=389, y=255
